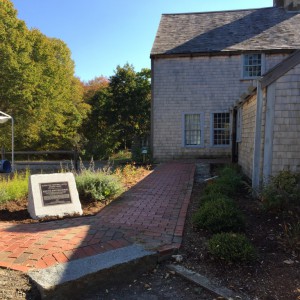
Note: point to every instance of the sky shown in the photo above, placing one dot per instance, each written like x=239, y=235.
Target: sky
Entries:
x=103, y=34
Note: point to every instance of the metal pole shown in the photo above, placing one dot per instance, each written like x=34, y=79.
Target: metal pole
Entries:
x=12, y=137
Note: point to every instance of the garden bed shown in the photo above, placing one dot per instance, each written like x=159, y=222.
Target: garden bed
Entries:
x=276, y=272
x=15, y=211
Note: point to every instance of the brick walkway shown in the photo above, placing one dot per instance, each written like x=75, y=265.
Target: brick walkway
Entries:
x=151, y=214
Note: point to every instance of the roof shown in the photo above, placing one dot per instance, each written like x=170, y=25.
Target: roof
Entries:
x=227, y=31
x=280, y=69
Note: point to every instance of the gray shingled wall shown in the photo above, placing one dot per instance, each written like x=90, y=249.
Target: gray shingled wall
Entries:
x=286, y=142
x=246, y=146
x=198, y=84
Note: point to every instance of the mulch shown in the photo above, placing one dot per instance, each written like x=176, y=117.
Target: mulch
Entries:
x=276, y=273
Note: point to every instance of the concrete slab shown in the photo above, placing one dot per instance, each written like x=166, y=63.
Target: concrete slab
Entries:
x=66, y=280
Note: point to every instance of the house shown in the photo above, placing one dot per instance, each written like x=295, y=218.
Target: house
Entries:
x=268, y=123
x=202, y=63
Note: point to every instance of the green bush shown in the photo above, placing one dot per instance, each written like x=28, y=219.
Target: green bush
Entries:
x=212, y=196
x=231, y=247
x=282, y=191
x=227, y=182
x=98, y=185
x=218, y=216
x=213, y=188
x=15, y=187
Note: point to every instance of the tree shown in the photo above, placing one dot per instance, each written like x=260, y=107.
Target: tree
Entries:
x=93, y=86
x=101, y=139
x=15, y=66
x=120, y=111
x=61, y=94
x=37, y=86
x=130, y=103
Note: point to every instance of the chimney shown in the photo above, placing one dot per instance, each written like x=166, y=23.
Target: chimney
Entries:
x=288, y=5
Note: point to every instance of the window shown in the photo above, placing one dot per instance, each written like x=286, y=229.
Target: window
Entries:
x=252, y=65
x=193, y=133
x=220, y=129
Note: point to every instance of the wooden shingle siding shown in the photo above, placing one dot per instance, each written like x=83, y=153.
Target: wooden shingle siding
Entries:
x=199, y=85
x=197, y=69
x=286, y=142
x=246, y=146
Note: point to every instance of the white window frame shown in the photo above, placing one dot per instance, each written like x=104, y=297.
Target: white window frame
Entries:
x=201, y=116
x=212, y=129
x=262, y=65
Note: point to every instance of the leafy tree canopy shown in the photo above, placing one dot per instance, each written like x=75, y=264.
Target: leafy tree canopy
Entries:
x=37, y=86
x=130, y=103
x=120, y=111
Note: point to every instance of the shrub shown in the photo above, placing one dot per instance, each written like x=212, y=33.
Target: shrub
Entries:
x=282, y=191
x=15, y=187
x=231, y=247
x=290, y=239
x=213, y=188
x=218, y=216
x=98, y=185
x=212, y=196
x=227, y=183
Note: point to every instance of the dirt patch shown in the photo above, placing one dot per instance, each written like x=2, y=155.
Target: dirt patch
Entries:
x=16, y=211
x=16, y=285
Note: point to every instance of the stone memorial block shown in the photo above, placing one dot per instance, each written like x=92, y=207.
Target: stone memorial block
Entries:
x=53, y=195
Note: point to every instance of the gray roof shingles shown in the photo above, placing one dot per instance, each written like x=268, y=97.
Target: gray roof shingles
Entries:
x=226, y=31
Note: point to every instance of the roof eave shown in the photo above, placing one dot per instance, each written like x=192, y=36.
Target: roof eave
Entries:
x=221, y=53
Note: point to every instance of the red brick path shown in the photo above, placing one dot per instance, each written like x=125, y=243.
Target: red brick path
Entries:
x=152, y=214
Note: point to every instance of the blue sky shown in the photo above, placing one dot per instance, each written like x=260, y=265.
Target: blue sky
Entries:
x=105, y=33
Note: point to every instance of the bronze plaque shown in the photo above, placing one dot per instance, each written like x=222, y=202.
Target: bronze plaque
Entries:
x=55, y=193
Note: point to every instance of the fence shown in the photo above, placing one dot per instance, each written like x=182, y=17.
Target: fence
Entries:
x=72, y=154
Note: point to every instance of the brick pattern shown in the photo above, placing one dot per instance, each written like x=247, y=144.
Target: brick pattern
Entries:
x=286, y=142
x=198, y=84
x=152, y=213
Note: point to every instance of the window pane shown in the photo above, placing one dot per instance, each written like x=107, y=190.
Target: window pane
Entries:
x=252, y=65
x=192, y=129
x=221, y=129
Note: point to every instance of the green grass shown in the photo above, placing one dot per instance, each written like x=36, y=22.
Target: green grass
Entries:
x=121, y=157
x=14, y=188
